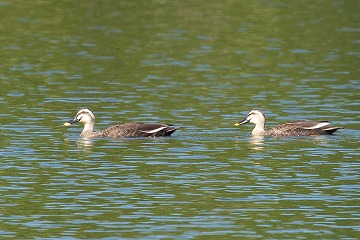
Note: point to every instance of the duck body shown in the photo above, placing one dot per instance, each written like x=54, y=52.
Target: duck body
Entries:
x=134, y=130
x=299, y=128
x=302, y=128
x=127, y=130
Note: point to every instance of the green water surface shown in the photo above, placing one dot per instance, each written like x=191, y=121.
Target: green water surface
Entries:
x=201, y=65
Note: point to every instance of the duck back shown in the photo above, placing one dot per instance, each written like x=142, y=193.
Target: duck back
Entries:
x=302, y=128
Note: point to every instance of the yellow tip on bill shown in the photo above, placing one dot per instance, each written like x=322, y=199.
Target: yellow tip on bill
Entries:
x=67, y=124
x=237, y=124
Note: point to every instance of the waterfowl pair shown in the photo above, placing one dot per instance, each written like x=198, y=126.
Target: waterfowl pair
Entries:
x=301, y=128
x=126, y=130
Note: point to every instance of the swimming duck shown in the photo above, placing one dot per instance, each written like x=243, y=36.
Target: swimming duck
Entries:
x=301, y=128
x=126, y=130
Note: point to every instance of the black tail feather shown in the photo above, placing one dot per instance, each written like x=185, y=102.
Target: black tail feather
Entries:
x=170, y=131
x=331, y=130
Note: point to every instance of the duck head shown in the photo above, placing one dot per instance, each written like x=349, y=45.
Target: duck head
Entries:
x=85, y=116
x=256, y=117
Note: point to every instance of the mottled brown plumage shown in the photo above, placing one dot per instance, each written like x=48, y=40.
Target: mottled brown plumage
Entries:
x=126, y=130
x=300, y=128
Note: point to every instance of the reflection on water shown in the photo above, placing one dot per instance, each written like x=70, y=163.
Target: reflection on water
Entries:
x=85, y=145
x=257, y=142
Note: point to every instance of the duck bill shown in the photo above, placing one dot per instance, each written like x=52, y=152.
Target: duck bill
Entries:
x=71, y=122
x=241, y=122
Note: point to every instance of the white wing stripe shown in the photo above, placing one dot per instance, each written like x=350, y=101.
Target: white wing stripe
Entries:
x=155, y=130
x=319, y=125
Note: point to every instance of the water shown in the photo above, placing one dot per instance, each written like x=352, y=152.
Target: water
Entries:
x=201, y=66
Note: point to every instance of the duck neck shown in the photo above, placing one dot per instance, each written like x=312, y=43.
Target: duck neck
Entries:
x=259, y=129
x=88, y=129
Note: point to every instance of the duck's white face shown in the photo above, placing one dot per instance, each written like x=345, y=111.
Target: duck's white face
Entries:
x=255, y=116
x=84, y=116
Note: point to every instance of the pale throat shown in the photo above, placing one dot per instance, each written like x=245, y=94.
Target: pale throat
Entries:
x=89, y=127
x=259, y=129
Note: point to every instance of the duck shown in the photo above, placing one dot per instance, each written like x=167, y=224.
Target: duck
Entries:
x=127, y=130
x=299, y=128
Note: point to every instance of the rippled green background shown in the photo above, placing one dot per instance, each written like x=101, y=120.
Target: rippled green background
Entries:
x=198, y=64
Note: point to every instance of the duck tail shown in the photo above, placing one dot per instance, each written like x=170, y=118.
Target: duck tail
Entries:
x=331, y=130
x=170, y=130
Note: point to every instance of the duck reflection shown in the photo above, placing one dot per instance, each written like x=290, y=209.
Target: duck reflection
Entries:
x=257, y=142
x=85, y=145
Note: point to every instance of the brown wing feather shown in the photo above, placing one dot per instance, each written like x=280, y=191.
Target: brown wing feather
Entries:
x=301, y=129
x=138, y=130
x=157, y=130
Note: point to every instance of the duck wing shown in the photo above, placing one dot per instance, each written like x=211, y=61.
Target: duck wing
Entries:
x=138, y=130
x=302, y=128
x=157, y=130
